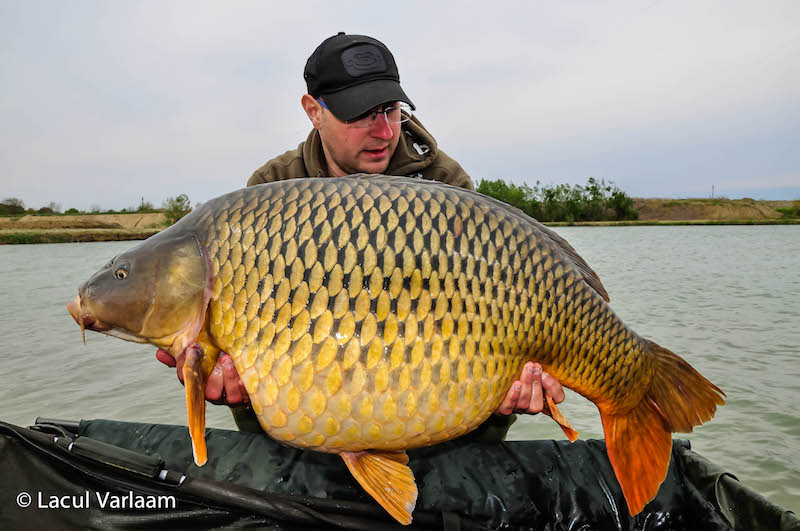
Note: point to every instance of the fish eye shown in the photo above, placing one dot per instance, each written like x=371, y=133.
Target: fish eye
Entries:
x=121, y=273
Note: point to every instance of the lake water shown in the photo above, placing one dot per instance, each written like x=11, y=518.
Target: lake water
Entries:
x=726, y=298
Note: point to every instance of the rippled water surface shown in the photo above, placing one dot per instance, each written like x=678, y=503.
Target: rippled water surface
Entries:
x=727, y=299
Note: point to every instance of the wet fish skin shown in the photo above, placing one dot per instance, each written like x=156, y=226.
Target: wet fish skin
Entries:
x=348, y=305
x=382, y=314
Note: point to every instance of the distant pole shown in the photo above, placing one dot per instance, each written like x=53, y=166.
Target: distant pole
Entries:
x=712, y=191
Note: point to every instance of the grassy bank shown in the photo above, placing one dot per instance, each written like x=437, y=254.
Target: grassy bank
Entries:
x=73, y=235
x=655, y=222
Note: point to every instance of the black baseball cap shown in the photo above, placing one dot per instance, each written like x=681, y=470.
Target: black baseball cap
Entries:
x=353, y=74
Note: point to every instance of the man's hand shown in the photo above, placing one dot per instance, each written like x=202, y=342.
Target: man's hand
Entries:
x=527, y=394
x=224, y=387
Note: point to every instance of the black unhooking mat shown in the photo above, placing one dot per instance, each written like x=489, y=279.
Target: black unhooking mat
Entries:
x=104, y=474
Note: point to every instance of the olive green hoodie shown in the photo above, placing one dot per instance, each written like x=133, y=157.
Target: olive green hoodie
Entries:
x=417, y=155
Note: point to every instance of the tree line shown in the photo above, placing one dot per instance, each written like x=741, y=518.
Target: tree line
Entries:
x=594, y=201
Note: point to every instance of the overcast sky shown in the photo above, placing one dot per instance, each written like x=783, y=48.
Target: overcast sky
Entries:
x=103, y=103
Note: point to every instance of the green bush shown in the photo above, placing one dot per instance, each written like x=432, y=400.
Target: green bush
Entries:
x=622, y=205
x=12, y=206
x=792, y=212
x=176, y=207
x=596, y=201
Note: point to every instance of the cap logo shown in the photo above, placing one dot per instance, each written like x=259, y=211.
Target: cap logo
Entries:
x=362, y=60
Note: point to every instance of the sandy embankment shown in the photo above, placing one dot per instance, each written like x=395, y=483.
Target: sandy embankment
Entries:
x=708, y=209
x=80, y=228
x=88, y=221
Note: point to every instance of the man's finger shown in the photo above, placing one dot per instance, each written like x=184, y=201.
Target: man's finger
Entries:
x=215, y=385
x=165, y=358
x=243, y=392
x=232, y=380
x=180, y=360
x=536, y=402
x=553, y=388
x=525, y=394
x=510, y=400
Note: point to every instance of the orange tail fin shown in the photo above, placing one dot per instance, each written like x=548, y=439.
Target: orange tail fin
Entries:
x=639, y=441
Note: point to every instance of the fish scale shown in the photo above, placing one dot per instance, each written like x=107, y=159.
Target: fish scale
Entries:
x=369, y=315
x=344, y=321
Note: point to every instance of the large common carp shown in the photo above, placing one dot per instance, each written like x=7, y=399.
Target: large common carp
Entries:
x=369, y=315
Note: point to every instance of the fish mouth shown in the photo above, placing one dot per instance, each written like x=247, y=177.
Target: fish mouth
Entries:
x=84, y=318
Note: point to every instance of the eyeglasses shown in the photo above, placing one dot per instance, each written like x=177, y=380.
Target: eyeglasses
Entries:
x=396, y=113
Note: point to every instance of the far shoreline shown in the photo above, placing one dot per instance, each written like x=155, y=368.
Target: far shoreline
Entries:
x=13, y=236
x=37, y=236
x=672, y=222
x=68, y=228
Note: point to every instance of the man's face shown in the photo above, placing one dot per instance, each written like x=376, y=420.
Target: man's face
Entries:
x=350, y=149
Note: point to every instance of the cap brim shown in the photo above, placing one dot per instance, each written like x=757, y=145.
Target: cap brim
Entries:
x=352, y=102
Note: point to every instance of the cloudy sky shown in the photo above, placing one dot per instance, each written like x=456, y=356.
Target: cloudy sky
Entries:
x=103, y=103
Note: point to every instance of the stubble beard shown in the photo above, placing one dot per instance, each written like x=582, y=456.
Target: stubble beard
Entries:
x=351, y=168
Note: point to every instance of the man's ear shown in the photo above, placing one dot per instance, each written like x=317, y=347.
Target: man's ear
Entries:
x=313, y=109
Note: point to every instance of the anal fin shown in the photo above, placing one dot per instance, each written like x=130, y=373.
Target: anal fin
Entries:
x=387, y=478
x=553, y=412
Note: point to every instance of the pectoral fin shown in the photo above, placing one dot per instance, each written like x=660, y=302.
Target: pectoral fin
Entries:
x=387, y=478
x=195, y=382
x=552, y=411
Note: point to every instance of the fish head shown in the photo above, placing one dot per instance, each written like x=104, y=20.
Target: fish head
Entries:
x=156, y=292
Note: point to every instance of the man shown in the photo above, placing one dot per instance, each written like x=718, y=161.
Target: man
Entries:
x=363, y=124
